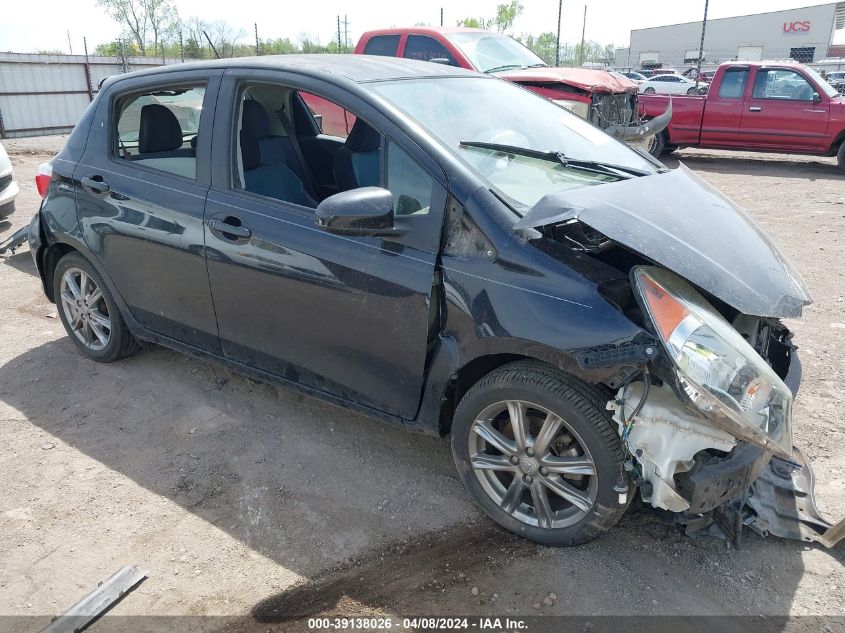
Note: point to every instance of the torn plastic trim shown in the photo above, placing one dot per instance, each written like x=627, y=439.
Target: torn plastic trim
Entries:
x=684, y=224
x=783, y=499
x=631, y=133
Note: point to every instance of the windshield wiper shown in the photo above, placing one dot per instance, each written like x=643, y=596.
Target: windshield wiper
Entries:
x=540, y=65
x=620, y=171
x=501, y=68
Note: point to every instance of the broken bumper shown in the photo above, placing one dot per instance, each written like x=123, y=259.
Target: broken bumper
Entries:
x=638, y=133
x=784, y=503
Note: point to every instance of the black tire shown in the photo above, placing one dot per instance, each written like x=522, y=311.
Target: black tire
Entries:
x=692, y=92
x=582, y=409
x=840, y=156
x=650, y=91
x=669, y=149
x=657, y=144
x=120, y=343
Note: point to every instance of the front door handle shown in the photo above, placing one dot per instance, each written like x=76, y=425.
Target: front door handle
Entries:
x=94, y=184
x=755, y=109
x=229, y=227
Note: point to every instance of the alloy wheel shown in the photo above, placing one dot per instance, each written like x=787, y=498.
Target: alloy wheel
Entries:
x=532, y=464
x=85, y=309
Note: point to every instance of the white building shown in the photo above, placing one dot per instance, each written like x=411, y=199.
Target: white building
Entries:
x=807, y=34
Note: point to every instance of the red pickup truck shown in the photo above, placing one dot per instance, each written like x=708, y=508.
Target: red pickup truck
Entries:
x=756, y=106
x=607, y=100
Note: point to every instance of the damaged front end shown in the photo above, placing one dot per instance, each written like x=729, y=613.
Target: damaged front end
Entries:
x=707, y=432
x=706, y=419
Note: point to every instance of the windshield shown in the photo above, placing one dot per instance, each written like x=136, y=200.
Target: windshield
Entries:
x=829, y=90
x=491, y=52
x=492, y=111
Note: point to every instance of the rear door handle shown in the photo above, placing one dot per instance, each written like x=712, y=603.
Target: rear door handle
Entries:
x=94, y=184
x=755, y=109
x=229, y=226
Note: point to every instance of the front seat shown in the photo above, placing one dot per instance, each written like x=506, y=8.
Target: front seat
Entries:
x=356, y=162
x=274, y=181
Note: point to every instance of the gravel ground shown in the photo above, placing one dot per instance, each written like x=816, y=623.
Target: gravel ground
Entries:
x=245, y=500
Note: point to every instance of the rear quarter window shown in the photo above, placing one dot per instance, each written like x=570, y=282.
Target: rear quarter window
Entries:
x=384, y=45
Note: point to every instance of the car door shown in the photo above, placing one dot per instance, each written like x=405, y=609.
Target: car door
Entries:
x=141, y=187
x=781, y=113
x=344, y=316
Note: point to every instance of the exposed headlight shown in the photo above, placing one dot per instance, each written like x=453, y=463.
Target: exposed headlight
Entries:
x=719, y=371
x=575, y=107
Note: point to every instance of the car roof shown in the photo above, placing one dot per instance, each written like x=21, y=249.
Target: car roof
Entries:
x=355, y=68
x=427, y=29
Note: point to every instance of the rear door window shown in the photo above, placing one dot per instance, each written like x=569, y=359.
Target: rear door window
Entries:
x=384, y=45
x=425, y=48
x=159, y=129
x=330, y=117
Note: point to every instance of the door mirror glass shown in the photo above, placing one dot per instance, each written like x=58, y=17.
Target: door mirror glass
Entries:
x=816, y=97
x=366, y=211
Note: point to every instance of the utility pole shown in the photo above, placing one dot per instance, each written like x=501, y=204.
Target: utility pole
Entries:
x=345, y=32
x=181, y=47
x=69, y=45
x=701, y=45
x=441, y=16
x=583, y=29
x=257, y=43
x=339, y=44
x=557, y=41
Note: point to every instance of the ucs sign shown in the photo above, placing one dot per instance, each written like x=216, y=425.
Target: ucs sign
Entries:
x=796, y=27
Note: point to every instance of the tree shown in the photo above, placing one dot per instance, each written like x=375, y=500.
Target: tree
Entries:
x=506, y=14
x=475, y=23
x=142, y=18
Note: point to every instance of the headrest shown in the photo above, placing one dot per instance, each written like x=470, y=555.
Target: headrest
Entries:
x=256, y=117
x=160, y=130
x=250, y=152
x=363, y=138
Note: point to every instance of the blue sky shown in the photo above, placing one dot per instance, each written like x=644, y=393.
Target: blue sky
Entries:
x=608, y=21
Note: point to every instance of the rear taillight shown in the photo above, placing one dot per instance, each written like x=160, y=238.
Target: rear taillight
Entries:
x=43, y=178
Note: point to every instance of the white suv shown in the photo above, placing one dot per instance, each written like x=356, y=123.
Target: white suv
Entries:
x=8, y=186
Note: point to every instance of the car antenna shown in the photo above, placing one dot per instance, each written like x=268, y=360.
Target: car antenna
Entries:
x=211, y=45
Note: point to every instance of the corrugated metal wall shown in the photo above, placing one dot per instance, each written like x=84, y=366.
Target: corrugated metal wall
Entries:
x=46, y=94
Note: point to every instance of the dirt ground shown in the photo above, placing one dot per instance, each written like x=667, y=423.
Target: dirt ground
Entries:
x=240, y=499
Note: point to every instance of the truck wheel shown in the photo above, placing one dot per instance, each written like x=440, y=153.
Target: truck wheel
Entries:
x=538, y=452
x=657, y=144
x=840, y=156
x=89, y=313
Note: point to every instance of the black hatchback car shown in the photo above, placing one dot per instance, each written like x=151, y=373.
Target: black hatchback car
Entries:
x=448, y=251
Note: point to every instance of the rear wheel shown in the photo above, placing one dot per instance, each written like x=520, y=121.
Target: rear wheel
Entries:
x=840, y=156
x=89, y=313
x=650, y=91
x=537, y=451
x=692, y=91
x=657, y=144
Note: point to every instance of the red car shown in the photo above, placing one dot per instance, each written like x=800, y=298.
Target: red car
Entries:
x=756, y=106
x=607, y=100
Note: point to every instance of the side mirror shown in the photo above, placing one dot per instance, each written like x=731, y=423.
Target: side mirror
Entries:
x=816, y=97
x=366, y=211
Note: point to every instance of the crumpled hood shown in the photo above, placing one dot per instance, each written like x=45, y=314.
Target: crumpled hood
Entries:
x=584, y=78
x=679, y=221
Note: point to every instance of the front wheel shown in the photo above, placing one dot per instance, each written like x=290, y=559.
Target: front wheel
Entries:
x=538, y=452
x=657, y=144
x=840, y=156
x=692, y=92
